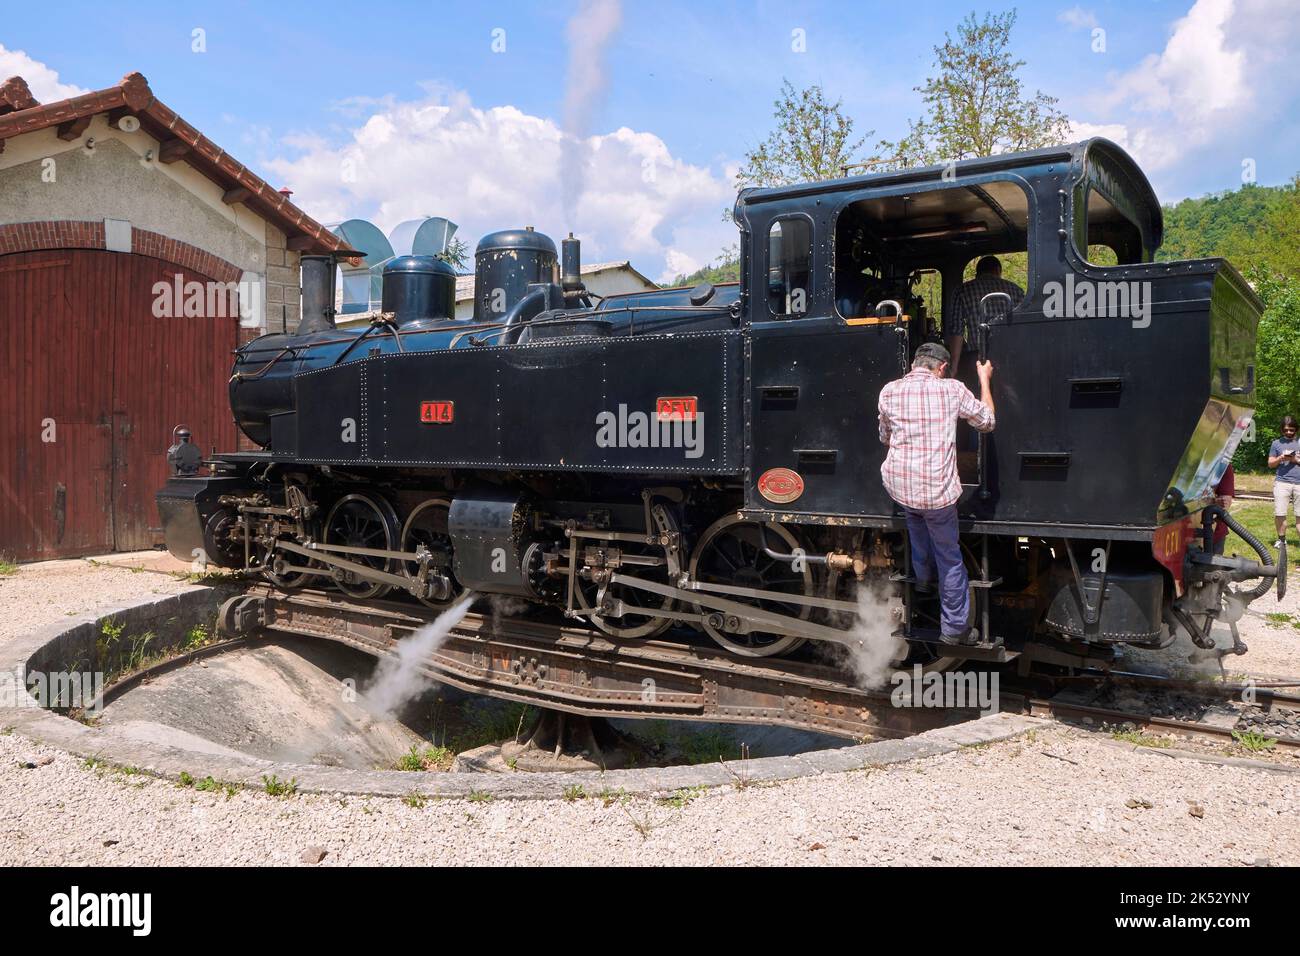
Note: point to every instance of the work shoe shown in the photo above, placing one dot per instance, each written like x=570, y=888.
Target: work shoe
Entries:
x=924, y=588
x=969, y=636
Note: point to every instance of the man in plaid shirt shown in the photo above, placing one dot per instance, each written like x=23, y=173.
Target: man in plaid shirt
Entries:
x=918, y=421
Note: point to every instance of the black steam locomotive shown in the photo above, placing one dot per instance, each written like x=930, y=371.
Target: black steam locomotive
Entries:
x=708, y=458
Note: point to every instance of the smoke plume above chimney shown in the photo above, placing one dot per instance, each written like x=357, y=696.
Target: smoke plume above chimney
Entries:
x=590, y=31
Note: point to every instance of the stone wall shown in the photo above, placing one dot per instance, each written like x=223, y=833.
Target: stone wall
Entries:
x=283, y=288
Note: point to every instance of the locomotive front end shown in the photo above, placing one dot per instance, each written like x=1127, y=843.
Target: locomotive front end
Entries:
x=1211, y=587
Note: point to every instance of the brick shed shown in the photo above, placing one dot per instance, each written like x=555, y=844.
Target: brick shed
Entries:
x=135, y=254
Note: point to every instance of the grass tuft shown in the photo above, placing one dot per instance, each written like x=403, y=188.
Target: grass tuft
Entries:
x=1252, y=741
x=276, y=787
x=430, y=758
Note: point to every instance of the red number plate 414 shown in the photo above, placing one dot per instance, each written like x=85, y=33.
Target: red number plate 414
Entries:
x=437, y=413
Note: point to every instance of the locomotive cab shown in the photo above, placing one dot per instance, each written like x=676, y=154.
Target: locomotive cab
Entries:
x=1123, y=384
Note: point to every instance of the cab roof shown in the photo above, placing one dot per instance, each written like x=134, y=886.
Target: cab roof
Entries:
x=1029, y=163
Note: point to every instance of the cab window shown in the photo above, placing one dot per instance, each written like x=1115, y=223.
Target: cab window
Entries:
x=909, y=249
x=1112, y=223
x=789, y=267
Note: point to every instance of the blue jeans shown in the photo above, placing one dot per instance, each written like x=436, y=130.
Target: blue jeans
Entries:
x=936, y=554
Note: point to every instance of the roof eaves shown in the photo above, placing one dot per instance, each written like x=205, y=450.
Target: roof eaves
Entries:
x=134, y=93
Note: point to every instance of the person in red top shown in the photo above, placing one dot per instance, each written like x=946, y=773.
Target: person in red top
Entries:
x=1224, y=492
x=918, y=421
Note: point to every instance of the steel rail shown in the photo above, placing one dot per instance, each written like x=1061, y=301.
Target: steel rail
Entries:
x=1037, y=706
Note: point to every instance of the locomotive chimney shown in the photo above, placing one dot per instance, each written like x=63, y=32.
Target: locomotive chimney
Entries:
x=317, y=294
x=571, y=267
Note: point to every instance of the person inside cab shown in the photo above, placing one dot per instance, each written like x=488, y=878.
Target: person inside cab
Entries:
x=963, y=325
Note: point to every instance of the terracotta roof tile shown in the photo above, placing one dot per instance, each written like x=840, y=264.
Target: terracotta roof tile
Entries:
x=20, y=113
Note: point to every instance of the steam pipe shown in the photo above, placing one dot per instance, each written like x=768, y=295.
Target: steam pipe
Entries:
x=523, y=312
x=787, y=558
x=1270, y=569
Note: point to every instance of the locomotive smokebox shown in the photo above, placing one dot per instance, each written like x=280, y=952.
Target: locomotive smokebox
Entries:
x=571, y=265
x=505, y=263
x=317, y=294
x=419, y=290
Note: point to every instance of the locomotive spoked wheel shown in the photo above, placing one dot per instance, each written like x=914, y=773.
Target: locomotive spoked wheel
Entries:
x=283, y=570
x=360, y=521
x=223, y=541
x=427, y=526
x=731, y=552
x=632, y=625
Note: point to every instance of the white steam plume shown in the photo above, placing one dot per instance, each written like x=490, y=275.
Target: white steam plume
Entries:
x=590, y=31
x=398, y=678
x=875, y=645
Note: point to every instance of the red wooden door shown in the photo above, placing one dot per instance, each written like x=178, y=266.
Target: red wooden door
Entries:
x=92, y=385
x=167, y=371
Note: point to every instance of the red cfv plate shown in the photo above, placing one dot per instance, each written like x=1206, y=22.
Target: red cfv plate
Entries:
x=780, y=485
x=1169, y=545
x=437, y=413
x=681, y=408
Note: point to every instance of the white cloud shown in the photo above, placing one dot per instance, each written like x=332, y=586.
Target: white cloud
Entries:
x=679, y=263
x=1224, y=69
x=41, y=80
x=1196, y=75
x=1078, y=18
x=498, y=167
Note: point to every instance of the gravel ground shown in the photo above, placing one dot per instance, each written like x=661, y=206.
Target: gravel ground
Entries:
x=39, y=594
x=1006, y=803
x=1055, y=796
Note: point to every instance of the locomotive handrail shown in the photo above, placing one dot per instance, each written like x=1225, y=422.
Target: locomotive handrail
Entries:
x=982, y=342
x=383, y=321
x=461, y=327
x=353, y=344
x=254, y=376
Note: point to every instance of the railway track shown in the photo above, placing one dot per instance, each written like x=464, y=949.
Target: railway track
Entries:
x=1062, y=706
x=575, y=670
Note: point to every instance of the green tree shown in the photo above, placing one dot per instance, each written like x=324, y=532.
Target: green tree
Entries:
x=813, y=140
x=976, y=104
x=1233, y=224
x=725, y=268
x=1280, y=245
x=455, y=255
x=1257, y=228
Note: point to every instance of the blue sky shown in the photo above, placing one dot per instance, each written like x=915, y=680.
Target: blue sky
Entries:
x=409, y=110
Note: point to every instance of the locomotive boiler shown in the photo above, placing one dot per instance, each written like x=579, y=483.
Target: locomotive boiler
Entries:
x=706, y=461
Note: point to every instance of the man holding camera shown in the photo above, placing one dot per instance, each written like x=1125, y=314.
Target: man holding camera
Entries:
x=1284, y=455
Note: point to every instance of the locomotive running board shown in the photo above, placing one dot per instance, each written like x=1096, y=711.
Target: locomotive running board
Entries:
x=582, y=672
